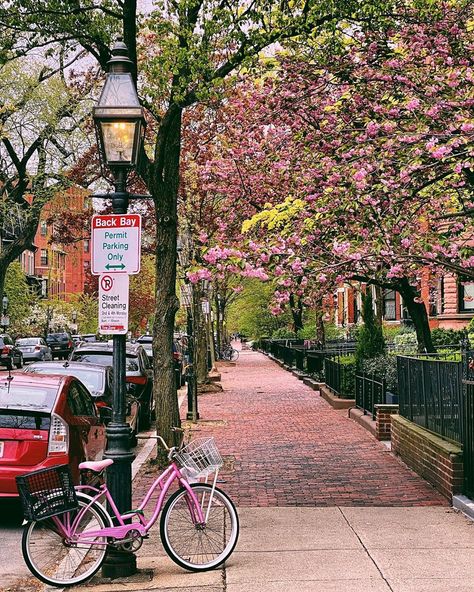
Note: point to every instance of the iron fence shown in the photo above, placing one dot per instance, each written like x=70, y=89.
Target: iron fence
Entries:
x=369, y=391
x=468, y=422
x=430, y=395
x=339, y=377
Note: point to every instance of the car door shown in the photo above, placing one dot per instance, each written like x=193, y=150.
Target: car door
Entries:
x=88, y=433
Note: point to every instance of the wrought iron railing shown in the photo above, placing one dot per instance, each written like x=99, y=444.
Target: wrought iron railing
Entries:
x=369, y=391
x=430, y=395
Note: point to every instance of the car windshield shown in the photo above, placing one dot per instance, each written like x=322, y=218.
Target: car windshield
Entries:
x=34, y=398
x=104, y=359
x=58, y=336
x=28, y=341
x=145, y=339
x=92, y=379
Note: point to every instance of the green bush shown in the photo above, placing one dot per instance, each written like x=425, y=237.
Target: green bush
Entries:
x=384, y=366
x=370, y=342
x=447, y=336
x=284, y=333
x=332, y=332
x=391, y=331
x=406, y=342
x=308, y=331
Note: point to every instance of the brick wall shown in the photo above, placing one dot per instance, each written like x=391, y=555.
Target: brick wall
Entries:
x=383, y=420
x=435, y=459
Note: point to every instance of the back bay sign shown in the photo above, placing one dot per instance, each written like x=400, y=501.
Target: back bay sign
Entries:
x=116, y=242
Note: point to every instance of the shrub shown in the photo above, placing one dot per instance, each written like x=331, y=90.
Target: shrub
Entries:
x=384, y=366
x=283, y=333
x=447, y=336
x=370, y=341
x=406, y=342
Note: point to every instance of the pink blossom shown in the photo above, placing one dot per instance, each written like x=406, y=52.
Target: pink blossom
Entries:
x=413, y=104
x=406, y=242
x=200, y=274
x=395, y=271
x=322, y=278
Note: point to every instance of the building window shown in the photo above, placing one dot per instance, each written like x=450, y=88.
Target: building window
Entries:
x=44, y=257
x=44, y=228
x=389, y=305
x=86, y=245
x=433, y=312
x=466, y=296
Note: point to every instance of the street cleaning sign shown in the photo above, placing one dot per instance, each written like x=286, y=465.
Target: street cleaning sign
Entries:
x=116, y=243
x=113, y=303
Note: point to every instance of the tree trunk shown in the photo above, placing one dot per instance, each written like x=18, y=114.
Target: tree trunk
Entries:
x=297, y=313
x=418, y=314
x=320, y=331
x=379, y=303
x=163, y=184
x=201, y=339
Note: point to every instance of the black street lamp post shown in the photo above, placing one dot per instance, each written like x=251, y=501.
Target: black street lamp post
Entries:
x=187, y=299
x=119, y=122
x=5, y=320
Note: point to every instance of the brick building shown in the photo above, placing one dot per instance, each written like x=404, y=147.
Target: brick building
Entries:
x=448, y=300
x=58, y=271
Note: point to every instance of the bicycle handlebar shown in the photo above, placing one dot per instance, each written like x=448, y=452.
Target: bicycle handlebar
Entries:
x=160, y=439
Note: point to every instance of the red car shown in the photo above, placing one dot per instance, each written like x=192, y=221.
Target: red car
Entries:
x=45, y=420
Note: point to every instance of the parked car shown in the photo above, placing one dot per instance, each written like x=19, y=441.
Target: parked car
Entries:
x=45, y=421
x=34, y=349
x=61, y=344
x=10, y=355
x=178, y=357
x=98, y=381
x=139, y=374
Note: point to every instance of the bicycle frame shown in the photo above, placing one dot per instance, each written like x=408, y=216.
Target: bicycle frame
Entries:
x=164, y=481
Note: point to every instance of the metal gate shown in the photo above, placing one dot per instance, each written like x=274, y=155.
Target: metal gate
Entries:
x=468, y=423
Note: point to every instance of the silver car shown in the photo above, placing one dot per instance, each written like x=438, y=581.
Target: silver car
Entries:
x=34, y=349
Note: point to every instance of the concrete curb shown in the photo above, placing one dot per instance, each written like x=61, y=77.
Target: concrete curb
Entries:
x=464, y=504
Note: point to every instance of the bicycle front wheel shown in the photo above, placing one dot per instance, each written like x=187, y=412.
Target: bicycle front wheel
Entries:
x=57, y=561
x=233, y=355
x=199, y=547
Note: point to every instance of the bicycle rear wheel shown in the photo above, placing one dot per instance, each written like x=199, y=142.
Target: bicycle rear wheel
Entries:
x=58, y=562
x=194, y=546
x=233, y=354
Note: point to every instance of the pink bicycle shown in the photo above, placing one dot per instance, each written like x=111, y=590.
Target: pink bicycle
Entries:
x=69, y=530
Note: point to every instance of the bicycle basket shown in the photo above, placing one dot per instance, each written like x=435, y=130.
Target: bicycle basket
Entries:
x=200, y=457
x=47, y=492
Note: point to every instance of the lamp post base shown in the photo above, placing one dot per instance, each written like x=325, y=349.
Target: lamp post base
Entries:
x=119, y=564
x=190, y=416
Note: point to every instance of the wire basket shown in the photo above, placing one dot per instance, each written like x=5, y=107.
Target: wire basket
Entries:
x=200, y=458
x=47, y=492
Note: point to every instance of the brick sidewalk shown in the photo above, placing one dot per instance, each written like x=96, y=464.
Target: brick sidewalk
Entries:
x=287, y=447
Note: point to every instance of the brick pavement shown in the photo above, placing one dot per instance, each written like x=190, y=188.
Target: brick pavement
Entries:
x=285, y=446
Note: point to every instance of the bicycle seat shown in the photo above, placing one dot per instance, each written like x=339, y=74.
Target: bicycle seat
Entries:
x=96, y=465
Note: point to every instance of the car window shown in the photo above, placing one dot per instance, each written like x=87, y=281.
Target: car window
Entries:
x=27, y=341
x=104, y=359
x=25, y=420
x=79, y=400
x=26, y=397
x=92, y=379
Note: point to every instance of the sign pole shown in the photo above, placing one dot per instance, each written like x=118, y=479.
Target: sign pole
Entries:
x=119, y=475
